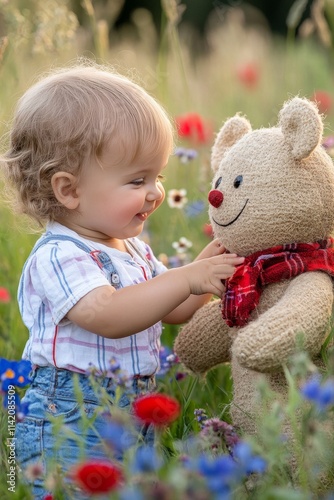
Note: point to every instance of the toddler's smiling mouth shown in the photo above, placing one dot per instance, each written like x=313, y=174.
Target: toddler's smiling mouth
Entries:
x=142, y=216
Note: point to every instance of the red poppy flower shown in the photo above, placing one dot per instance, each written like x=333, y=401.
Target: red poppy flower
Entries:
x=323, y=100
x=193, y=127
x=4, y=295
x=97, y=476
x=248, y=74
x=208, y=230
x=48, y=497
x=156, y=409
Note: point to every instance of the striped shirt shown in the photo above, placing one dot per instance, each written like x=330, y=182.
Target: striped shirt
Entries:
x=55, y=277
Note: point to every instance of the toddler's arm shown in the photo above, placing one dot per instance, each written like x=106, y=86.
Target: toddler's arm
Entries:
x=120, y=313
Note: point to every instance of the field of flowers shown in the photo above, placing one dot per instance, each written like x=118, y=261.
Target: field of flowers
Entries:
x=199, y=454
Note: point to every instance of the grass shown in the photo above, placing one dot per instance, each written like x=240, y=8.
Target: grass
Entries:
x=206, y=84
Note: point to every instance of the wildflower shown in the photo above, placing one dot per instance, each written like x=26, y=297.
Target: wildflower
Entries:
x=207, y=230
x=195, y=208
x=328, y=144
x=120, y=377
x=323, y=100
x=248, y=463
x=156, y=409
x=131, y=493
x=200, y=415
x=34, y=471
x=118, y=437
x=14, y=373
x=21, y=409
x=185, y=154
x=4, y=295
x=193, y=127
x=218, y=434
x=97, y=476
x=248, y=74
x=176, y=198
x=48, y=497
x=220, y=473
x=167, y=360
x=321, y=394
x=146, y=459
x=182, y=245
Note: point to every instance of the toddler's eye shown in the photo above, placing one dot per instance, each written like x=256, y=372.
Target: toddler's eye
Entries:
x=161, y=178
x=218, y=181
x=137, y=182
x=237, y=181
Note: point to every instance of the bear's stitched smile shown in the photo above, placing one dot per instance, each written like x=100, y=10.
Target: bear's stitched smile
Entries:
x=237, y=217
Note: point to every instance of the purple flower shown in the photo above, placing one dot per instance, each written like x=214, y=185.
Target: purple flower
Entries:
x=186, y=155
x=219, y=433
x=200, y=415
x=328, y=142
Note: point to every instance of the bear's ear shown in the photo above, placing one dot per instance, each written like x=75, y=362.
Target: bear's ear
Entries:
x=301, y=126
x=232, y=130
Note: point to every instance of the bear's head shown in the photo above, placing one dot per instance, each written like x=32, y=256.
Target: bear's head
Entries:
x=272, y=186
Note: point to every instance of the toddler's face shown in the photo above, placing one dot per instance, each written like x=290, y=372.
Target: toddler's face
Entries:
x=114, y=202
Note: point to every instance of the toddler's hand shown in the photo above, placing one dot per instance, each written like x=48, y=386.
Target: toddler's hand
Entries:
x=206, y=275
x=215, y=247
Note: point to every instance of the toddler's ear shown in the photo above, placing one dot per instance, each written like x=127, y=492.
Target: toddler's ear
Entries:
x=64, y=186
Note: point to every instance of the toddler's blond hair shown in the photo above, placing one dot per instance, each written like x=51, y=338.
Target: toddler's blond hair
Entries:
x=69, y=116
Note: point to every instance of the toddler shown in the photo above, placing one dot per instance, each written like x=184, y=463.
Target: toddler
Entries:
x=86, y=156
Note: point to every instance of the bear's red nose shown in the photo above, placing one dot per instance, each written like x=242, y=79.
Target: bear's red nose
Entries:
x=215, y=198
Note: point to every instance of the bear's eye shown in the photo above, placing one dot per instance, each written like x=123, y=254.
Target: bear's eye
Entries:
x=218, y=181
x=237, y=181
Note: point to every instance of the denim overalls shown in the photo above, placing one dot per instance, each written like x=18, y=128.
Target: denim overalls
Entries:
x=52, y=394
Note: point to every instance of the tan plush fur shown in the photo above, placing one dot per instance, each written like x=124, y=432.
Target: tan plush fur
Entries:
x=288, y=180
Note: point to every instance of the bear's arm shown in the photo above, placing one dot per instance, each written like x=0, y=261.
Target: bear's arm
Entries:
x=305, y=308
x=204, y=341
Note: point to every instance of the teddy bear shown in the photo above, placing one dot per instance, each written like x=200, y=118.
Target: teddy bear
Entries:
x=272, y=201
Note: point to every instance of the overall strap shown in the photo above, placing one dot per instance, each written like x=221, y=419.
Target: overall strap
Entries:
x=59, y=237
x=101, y=258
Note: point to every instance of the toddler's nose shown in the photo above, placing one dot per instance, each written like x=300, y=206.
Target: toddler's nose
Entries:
x=215, y=198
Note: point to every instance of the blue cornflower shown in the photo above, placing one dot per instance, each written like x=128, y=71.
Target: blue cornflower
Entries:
x=186, y=155
x=219, y=473
x=146, y=459
x=14, y=373
x=167, y=360
x=321, y=394
x=200, y=415
x=165, y=365
x=21, y=409
x=248, y=463
x=131, y=493
x=118, y=437
x=195, y=208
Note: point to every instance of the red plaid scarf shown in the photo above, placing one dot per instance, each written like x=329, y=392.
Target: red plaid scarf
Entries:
x=279, y=263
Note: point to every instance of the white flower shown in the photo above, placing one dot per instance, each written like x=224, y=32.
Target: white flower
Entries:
x=177, y=198
x=182, y=245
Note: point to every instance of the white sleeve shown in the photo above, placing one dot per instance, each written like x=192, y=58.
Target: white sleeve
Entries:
x=62, y=274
